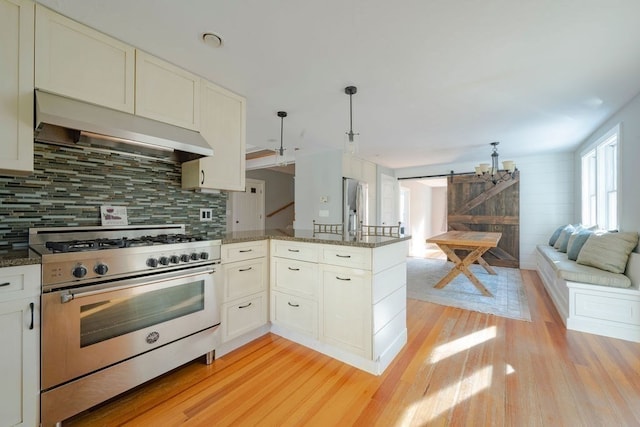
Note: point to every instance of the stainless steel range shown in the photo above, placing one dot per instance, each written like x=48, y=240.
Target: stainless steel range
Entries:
x=120, y=306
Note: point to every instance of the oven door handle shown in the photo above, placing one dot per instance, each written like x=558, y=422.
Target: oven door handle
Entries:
x=68, y=296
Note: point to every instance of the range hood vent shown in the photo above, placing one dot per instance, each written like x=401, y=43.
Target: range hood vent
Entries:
x=62, y=120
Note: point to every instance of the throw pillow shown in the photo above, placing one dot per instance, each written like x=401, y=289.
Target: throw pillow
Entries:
x=563, y=240
x=555, y=235
x=609, y=251
x=576, y=241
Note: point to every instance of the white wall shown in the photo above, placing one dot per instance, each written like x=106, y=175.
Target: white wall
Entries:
x=546, y=196
x=629, y=193
x=317, y=175
x=438, y=210
x=420, y=216
x=278, y=192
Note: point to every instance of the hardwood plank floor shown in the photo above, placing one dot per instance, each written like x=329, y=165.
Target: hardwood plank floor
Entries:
x=458, y=368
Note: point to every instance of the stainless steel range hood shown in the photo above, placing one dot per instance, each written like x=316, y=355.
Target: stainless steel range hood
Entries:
x=116, y=126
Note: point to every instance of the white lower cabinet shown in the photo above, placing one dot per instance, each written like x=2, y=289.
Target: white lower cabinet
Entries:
x=347, y=302
x=245, y=304
x=295, y=313
x=20, y=350
x=346, y=309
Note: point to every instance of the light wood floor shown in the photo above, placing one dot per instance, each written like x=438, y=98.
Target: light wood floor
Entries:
x=458, y=368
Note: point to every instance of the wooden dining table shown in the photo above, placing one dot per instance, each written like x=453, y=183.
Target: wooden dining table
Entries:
x=476, y=243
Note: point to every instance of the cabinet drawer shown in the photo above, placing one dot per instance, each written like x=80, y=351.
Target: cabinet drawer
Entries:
x=295, y=313
x=19, y=282
x=346, y=256
x=295, y=250
x=295, y=277
x=241, y=251
x=244, y=278
x=243, y=316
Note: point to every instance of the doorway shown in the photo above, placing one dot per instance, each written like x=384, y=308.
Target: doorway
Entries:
x=247, y=207
x=427, y=211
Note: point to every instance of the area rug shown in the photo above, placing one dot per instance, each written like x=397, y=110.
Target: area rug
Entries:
x=509, y=300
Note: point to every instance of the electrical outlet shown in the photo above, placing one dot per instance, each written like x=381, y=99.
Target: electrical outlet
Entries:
x=206, y=214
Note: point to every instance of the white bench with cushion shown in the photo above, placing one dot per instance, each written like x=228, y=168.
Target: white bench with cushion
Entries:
x=592, y=299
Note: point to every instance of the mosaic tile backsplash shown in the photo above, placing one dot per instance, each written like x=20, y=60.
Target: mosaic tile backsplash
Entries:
x=69, y=184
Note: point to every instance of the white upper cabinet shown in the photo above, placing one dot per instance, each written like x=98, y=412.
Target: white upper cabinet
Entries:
x=82, y=63
x=166, y=93
x=223, y=122
x=16, y=86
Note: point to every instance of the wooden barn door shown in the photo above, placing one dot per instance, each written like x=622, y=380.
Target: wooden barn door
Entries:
x=476, y=205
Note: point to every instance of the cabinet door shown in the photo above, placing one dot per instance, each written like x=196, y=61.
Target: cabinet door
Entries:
x=244, y=315
x=345, y=309
x=20, y=355
x=82, y=63
x=294, y=277
x=295, y=313
x=166, y=93
x=223, y=126
x=244, y=278
x=16, y=85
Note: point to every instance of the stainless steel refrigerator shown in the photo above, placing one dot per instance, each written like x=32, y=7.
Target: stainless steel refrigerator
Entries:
x=354, y=204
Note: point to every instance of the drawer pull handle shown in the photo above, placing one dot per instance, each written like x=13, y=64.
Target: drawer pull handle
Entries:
x=293, y=250
x=294, y=269
x=343, y=256
x=31, y=305
x=5, y=284
x=293, y=305
x=346, y=279
x=245, y=250
x=245, y=269
x=244, y=306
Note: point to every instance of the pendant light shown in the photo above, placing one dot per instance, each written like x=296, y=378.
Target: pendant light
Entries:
x=351, y=146
x=280, y=158
x=492, y=172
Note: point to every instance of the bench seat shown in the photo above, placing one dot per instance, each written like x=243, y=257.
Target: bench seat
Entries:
x=592, y=300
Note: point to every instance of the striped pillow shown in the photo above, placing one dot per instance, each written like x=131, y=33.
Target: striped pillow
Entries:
x=608, y=251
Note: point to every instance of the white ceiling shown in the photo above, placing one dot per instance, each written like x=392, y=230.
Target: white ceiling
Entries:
x=437, y=80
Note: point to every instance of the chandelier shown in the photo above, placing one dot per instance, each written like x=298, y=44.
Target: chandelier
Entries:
x=351, y=146
x=492, y=172
x=280, y=158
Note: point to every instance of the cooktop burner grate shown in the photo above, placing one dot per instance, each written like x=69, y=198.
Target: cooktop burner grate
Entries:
x=124, y=242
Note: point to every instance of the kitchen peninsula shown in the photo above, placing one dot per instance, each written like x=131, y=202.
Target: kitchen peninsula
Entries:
x=343, y=295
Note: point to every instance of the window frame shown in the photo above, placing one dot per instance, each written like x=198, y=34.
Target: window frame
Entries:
x=600, y=194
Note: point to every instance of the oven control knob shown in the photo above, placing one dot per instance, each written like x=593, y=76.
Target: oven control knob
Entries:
x=164, y=260
x=204, y=255
x=101, y=269
x=152, y=262
x=194, y=256
x=184, y=258
x=79, y=271
x=174, y=259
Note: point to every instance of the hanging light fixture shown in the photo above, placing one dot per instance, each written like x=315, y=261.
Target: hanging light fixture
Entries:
x=280, y=158
x=351, y=145
x=492, y=172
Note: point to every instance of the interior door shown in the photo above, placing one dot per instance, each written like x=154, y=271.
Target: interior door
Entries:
x=247, y=207
x=477, y=205
x=389, y=201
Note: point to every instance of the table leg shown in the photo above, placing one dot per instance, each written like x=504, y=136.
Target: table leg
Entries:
x=462, y=266
x=480, y=260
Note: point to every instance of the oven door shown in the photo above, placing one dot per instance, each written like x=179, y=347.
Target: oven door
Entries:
x=89, y=328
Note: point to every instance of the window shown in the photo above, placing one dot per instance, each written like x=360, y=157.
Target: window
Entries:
x=600, y=182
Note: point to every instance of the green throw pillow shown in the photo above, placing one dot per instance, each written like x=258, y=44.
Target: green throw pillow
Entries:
x=576, y=241
x=563, y=240
x=555, y=235
x=609, y=251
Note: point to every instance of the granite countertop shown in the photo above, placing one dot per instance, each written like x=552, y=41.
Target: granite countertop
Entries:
x=346, y=239
x=17, y=257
